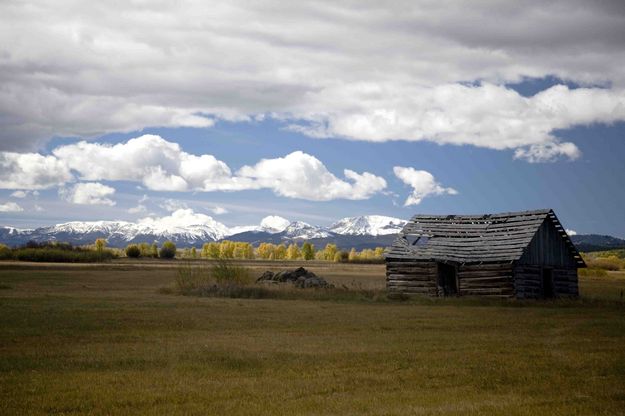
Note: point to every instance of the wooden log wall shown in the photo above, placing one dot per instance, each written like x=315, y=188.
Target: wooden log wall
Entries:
x=528, y=282
x=492, y=280
x=565, y=282
x=412, y=277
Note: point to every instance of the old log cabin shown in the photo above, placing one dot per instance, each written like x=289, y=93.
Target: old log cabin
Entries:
x=518, y=254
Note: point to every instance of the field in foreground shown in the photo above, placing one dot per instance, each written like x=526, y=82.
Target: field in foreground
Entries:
x=103, y=340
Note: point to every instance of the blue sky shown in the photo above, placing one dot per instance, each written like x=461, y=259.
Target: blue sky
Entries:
x=530, y=116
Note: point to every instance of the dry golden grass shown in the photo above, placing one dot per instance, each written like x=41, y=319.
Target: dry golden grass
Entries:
x=102, y=340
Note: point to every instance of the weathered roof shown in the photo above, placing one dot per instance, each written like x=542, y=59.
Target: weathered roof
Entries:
x=474, y=238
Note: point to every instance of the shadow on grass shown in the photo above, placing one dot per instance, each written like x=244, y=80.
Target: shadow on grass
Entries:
x=287, y=292
x=227, y=280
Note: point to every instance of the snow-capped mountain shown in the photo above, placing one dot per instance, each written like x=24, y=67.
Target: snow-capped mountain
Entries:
x=186, y=227
x=182, y=227
x=305, y=231
x=271, y=224
x=368, y=225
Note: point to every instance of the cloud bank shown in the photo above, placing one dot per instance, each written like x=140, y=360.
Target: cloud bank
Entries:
x=435, y=71
x=160, y=165
x=88, y=193
x=10, y=207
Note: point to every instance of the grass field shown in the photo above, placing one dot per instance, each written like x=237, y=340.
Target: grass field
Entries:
x=102, y=340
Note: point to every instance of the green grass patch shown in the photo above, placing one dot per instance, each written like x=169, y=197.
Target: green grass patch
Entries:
x=80, y=339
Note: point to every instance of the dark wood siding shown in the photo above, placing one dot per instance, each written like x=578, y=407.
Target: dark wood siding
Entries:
x=494, y=280
x=547, y=248
x=410, y=277
x=565, y=282
x=528, y=282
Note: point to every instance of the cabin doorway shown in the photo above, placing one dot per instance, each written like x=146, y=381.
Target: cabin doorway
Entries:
x=547, y=280
x=447, y=279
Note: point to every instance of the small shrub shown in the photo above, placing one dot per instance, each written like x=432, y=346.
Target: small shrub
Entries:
x=5, y=252
x=227, y=273
x=61, y=255
x=607, y=263
x=168, y=250
x=224, y=274
x=591, y=272
x=133, y=251
x=189, y=278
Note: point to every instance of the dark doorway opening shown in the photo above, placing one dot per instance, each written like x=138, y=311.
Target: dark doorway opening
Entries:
x=548, y=289
x=447, y=279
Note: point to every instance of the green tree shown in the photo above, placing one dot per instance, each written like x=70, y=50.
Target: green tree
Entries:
x=133, y=251
x=5, y=252
x=210, y=250
x=293, y=252
x=265, y=250
x=193, y=252
x=146, y=250
x=329, y=252
x=243, y=250
x=353, y=255
x=100, y=245
x=168, y=250
x=280, y=252
x=226, y=249
x=154, y=250
x=308, y=251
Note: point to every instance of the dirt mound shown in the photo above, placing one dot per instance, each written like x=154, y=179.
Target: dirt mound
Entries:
x=299, y=277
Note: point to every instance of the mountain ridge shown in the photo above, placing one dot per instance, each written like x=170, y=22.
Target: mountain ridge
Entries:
x=185, y=230
x=365, y=231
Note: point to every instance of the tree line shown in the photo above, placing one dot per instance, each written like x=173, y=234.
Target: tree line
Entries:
x=222, y=250
x=226, y=249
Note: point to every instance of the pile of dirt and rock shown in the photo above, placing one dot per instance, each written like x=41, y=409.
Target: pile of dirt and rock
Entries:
x=299, y=277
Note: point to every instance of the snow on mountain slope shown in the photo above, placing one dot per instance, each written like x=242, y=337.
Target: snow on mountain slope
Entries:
x=84, y=227
x=186, y=227
x=368, y=225
x=237, y=229
x=184, y=222
x=271, y=224
x=302, y=230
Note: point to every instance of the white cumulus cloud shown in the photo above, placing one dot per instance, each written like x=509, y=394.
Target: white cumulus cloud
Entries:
x=19, y=194
x=88, y=193
x=434, y=71
x=423, y=184
x=10, y=207
x=158, y=164
x=161, y=165
x=139, y=209
x=571, y=232
x=300, y=175
x=28, y=171
x=217, y=210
